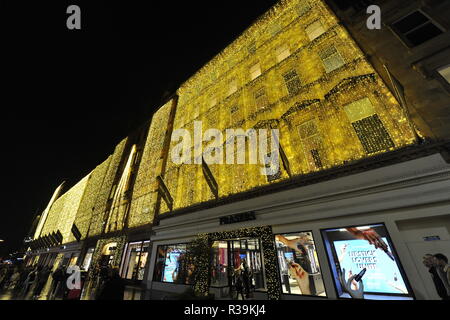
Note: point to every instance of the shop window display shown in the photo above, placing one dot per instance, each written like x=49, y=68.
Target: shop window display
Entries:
x=364, y=263
x=87, y=259
x=299, y=266
x=135, y=260
x=172, y=265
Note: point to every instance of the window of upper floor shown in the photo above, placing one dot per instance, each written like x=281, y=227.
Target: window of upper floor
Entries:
x=444, y=72
x=416, y=28
x=292, y=82
x=368, y=126
x=283, y=52
x=261, y=99
x=212, y=101
x=331, y=59
x=255, y=71
x=303, y=7
x=315, y=30
x=233, y=86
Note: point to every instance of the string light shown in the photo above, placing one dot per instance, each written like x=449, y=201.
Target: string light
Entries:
x=316, y=95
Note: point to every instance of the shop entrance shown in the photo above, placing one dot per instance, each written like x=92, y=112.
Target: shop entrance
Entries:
x=228, y=260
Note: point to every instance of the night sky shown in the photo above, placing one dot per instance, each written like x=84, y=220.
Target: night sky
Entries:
x=68, y=97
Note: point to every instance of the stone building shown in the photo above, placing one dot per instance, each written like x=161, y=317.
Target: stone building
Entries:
x=362, y=180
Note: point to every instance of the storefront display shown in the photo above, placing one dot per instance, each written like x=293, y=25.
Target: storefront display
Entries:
x=299, y=266
x=366, y=251
x=135, y=259
x=172, y=265
x=87, y=259
x=231, y=256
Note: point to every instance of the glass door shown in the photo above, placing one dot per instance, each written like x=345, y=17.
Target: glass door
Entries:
x=231, y=256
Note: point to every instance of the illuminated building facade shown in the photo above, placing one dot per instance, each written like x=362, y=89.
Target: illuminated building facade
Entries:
x=349, y=157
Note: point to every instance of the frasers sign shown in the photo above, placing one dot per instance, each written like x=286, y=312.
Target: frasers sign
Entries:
x=236, y=218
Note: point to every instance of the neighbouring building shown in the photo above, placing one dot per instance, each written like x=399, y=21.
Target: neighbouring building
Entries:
x=363, y=181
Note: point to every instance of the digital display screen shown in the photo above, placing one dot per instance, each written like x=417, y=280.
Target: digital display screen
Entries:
x=382, y=273
x=367, y=249
x=171, y=265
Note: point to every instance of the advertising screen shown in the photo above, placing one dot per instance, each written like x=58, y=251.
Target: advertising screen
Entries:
x=171, y=265
x=366, y=251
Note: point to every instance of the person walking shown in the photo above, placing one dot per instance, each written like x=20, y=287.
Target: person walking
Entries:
x=57, y=276
x=428, y=262
x=41, y=281
x=113, y=288
x=29, y=281
x=442, y=267
x=247, y=278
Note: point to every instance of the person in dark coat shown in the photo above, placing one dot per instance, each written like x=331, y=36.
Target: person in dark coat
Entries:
x=239, y=284
x=113, y=288
x=438, y=284
x=41, y=281
x=58, y=277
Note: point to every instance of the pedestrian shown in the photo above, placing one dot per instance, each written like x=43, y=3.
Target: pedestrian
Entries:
x=247, y=278
x=57, y=276
x=41, y=281
x=442, y=267
x=8, y=274
x=113, y=288
x=239, y=284
x=14, y=279
x=29, y=281
x=428, y=261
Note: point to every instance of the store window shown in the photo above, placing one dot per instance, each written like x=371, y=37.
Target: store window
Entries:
x=73, y=259
x=364, y=263
x=331, y=59
x=87, y=259
x=416, y=28
x=135, y=260
x=299, y=265
x=172, y=265
x=315, y=30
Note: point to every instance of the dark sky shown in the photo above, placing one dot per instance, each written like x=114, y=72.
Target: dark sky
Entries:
x=68, y=97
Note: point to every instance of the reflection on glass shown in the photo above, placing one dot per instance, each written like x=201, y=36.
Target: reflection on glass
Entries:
x=135, y=260
x=299, y=266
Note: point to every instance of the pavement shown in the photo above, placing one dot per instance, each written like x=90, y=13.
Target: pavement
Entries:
x=131, y=293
